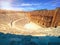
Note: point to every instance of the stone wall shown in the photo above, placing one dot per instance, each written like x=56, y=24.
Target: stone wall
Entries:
x=56, y=20
x=46, y=18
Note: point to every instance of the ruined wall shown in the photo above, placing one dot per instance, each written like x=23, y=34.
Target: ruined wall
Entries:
x=56, y=19
x=45, y=18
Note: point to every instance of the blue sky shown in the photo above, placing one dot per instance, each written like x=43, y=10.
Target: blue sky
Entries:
x=29, y=5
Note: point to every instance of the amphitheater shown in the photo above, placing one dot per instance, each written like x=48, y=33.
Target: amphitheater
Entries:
x=20, y=22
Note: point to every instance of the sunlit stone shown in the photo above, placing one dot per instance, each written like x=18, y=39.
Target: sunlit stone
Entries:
x=31, y=26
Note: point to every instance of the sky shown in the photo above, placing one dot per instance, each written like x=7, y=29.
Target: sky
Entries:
x=29, y=5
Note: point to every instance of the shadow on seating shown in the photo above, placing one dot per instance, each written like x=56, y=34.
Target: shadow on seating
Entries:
x=12, y=39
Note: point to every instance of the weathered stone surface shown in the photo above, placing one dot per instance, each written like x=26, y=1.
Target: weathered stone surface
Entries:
x=46, y=18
